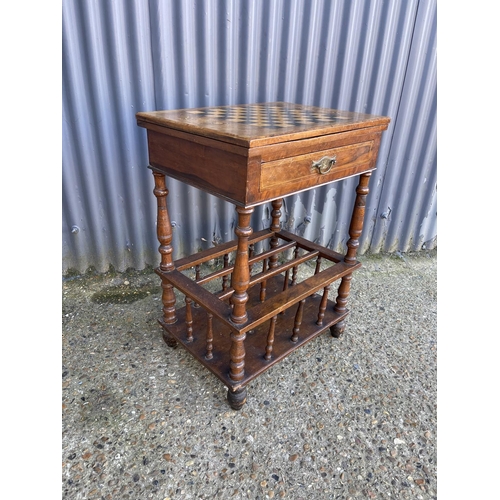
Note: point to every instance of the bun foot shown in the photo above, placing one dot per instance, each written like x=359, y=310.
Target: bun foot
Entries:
x=237, y=398
x=170, y=341
x=337, y=330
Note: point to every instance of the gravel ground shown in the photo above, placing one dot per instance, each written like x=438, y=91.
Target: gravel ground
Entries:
x=347, y=418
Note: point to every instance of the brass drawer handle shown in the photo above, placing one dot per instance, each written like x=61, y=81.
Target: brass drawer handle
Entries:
x=324, y=165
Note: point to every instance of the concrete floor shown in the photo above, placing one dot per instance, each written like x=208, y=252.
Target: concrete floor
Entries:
x=344, y=418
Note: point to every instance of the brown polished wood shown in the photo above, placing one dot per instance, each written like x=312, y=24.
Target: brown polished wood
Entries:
x=252, y=142
x=252, y=154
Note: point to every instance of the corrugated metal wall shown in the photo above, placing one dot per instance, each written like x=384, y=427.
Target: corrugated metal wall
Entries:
x=124, y=56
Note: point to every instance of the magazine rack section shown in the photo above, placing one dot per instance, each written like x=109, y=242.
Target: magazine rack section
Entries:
x=252, y=311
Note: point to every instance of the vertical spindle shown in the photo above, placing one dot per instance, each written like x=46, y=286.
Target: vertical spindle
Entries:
x=318, y=264
x=189, y=320
x=295, y=268
x=275, y=227
x=285, y=283
x=251, y=251
x=270, y=338
x=210, y=337
x=298, y=321
x=263, y=285
x=225, y=278
x=322, y=306
x=287, y=279
x=197, y=277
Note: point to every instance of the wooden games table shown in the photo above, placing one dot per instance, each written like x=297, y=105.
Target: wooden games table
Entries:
x=250, y=155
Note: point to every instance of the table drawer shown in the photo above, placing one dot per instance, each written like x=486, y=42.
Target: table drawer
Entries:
x=316, y=168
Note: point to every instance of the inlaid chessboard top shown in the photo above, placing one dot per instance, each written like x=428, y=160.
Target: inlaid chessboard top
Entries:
x=261, y=123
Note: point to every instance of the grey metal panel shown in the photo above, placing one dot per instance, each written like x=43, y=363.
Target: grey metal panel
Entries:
x=107, y=77
x=407, y=205
x=120, y=57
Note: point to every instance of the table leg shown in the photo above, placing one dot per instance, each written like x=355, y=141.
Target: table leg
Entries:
x=355, y=230
x=164, y=234
x=240, y=279
x=237, y=398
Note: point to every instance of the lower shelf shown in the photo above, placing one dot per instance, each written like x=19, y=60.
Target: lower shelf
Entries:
x=256, y=340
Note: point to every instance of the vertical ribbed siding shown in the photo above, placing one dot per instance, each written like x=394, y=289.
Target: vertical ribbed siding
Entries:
x=105, y=81
x=120, y=57
x=407, y=204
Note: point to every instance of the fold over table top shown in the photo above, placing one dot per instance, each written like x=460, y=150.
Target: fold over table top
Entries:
x=253, y=153
x=259, y=124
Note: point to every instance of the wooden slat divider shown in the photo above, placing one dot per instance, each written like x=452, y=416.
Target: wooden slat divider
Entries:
x=218, y=251
x=255, y=343
x=309, y=245
x=274, y=305
x=196, y=292
x=229, y=269
x=260, y=313
x=258, y=278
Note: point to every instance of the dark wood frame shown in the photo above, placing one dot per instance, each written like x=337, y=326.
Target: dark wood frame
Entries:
x=260, y=318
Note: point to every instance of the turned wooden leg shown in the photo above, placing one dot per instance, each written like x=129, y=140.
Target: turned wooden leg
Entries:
x=355, y=230
x=340, y=306
x=270, y=338
x=322, y=306
x=240, y=280
x=164, y=234
x=298, y=321
x=237, y=398
x=168, y=299
x=240, y=277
